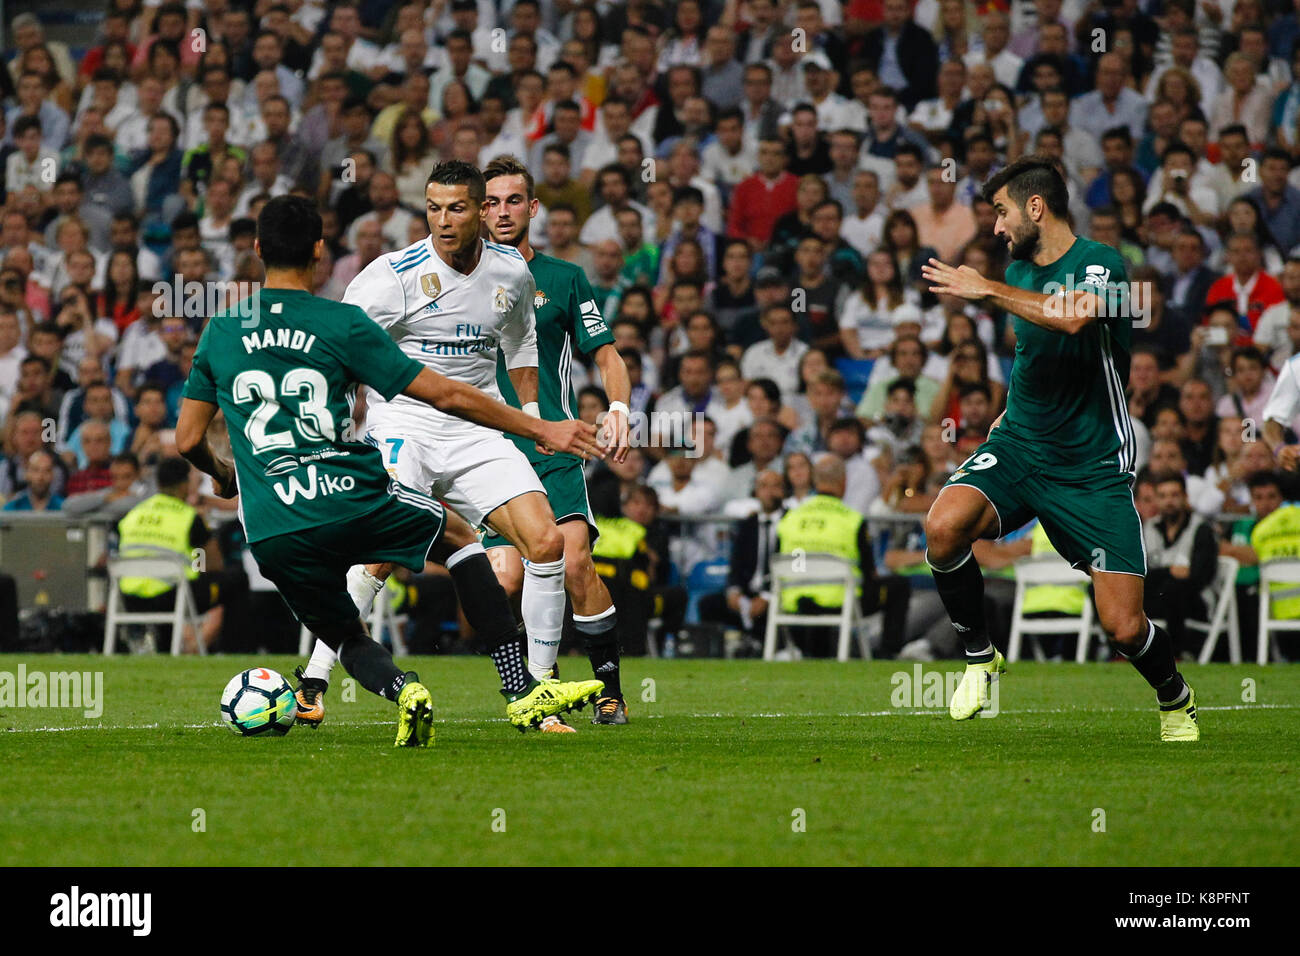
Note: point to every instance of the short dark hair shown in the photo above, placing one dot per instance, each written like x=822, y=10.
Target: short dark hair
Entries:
x=1033, y=175
x=1167, y=476
x=970, y=388
x=288, y=229
x=507, y=165
x=1118, y=132
x=1262, y=479
x=173, y=472
x=456, y=172
x=906, y=384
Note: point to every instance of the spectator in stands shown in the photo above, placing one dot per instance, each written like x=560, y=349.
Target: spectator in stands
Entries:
x=1201, y=426
x=903, y=54
x=905, y=358
x=763, y=198
x=124, y=491
x=744, y=603
x=39, y=494
x=777, y=357
x=1249, y=387
x=1182, y=552
x=96, y=451
x=97, y=405
x=36, y=391
x=825, y=396
x=870, y=314
x=152, y=436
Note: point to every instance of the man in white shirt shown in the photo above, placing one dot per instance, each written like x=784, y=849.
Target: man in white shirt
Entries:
x=996, y=34
x=778, y=356
x=394, y=221
x=862, y=228
x=728, y=158
x=615, y=191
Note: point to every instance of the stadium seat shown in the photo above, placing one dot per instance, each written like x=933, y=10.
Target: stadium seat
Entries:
x=707, y=577
x=1280, y=571
x=162, y=565
x=382, y=617
x=816, y=568
x=1223, y=614
x=856, y=374
x=1046, y=569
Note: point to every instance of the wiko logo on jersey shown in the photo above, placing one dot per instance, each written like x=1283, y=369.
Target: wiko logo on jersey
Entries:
x=1098, y=276
x=591, y=318
x=317, y=485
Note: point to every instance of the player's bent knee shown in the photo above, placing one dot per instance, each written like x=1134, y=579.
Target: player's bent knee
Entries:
x=1129, y=631
x=947, y=534
x=545, y=546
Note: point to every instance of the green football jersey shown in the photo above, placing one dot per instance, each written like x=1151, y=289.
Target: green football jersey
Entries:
x=566, y=311
x=1066, y=395
x=285, y=383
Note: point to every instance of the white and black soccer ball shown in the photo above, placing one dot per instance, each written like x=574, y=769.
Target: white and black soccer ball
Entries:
x=258, y=701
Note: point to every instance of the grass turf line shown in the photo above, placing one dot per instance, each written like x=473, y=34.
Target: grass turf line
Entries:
x=712, y=771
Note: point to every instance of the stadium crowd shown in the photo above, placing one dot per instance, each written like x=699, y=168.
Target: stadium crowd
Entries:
x=751, y=187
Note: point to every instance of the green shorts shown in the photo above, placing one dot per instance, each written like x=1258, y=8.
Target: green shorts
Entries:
x=1087, y=511
x=310, y=567
x=566, y=489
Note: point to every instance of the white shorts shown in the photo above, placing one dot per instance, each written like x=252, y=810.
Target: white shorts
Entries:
x=473, y=475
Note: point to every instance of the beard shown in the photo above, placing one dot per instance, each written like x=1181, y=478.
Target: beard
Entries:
x=1025, y=243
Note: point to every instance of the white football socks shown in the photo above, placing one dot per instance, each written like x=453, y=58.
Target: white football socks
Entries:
x=543, y=612
x=362, y=588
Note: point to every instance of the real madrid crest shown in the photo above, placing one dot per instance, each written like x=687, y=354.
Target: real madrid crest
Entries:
x=539, y=299
x=499, y=301
x=430, y=284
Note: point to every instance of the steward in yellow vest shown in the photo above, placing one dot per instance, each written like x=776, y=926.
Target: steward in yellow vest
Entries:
x=1278, y=536
x=167, y=521
x=825, y=524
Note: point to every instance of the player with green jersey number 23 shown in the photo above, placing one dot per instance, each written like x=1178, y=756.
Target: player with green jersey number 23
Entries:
x=1063, y=451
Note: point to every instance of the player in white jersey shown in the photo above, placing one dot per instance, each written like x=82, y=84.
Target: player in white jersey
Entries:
x=451, y=301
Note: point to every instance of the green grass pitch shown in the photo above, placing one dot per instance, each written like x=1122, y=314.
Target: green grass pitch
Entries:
x=725, y=762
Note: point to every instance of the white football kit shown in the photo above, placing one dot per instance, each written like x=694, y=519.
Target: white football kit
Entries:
x=453, y=324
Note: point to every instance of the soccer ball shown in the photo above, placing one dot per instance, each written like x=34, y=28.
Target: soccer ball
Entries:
x=258, y=701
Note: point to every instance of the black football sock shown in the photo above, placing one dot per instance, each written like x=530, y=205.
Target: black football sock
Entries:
x=373, y=667
x=600, y=637
x=961, y=588
x=488, y=611
x=1155, y=662
x=508, y=656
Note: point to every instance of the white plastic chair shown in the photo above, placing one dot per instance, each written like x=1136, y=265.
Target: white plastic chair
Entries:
x=1278, y=571
x=1049, y=569
x=801, y=570
x=382, y=618
x=162, y=565
x=1223, y=614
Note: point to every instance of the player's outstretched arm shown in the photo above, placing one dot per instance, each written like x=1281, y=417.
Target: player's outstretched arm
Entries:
x=1069, y=312
x=193, y=444
x=467, y=402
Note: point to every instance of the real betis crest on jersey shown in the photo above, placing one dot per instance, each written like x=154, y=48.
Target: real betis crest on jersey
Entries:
x=539, y=299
